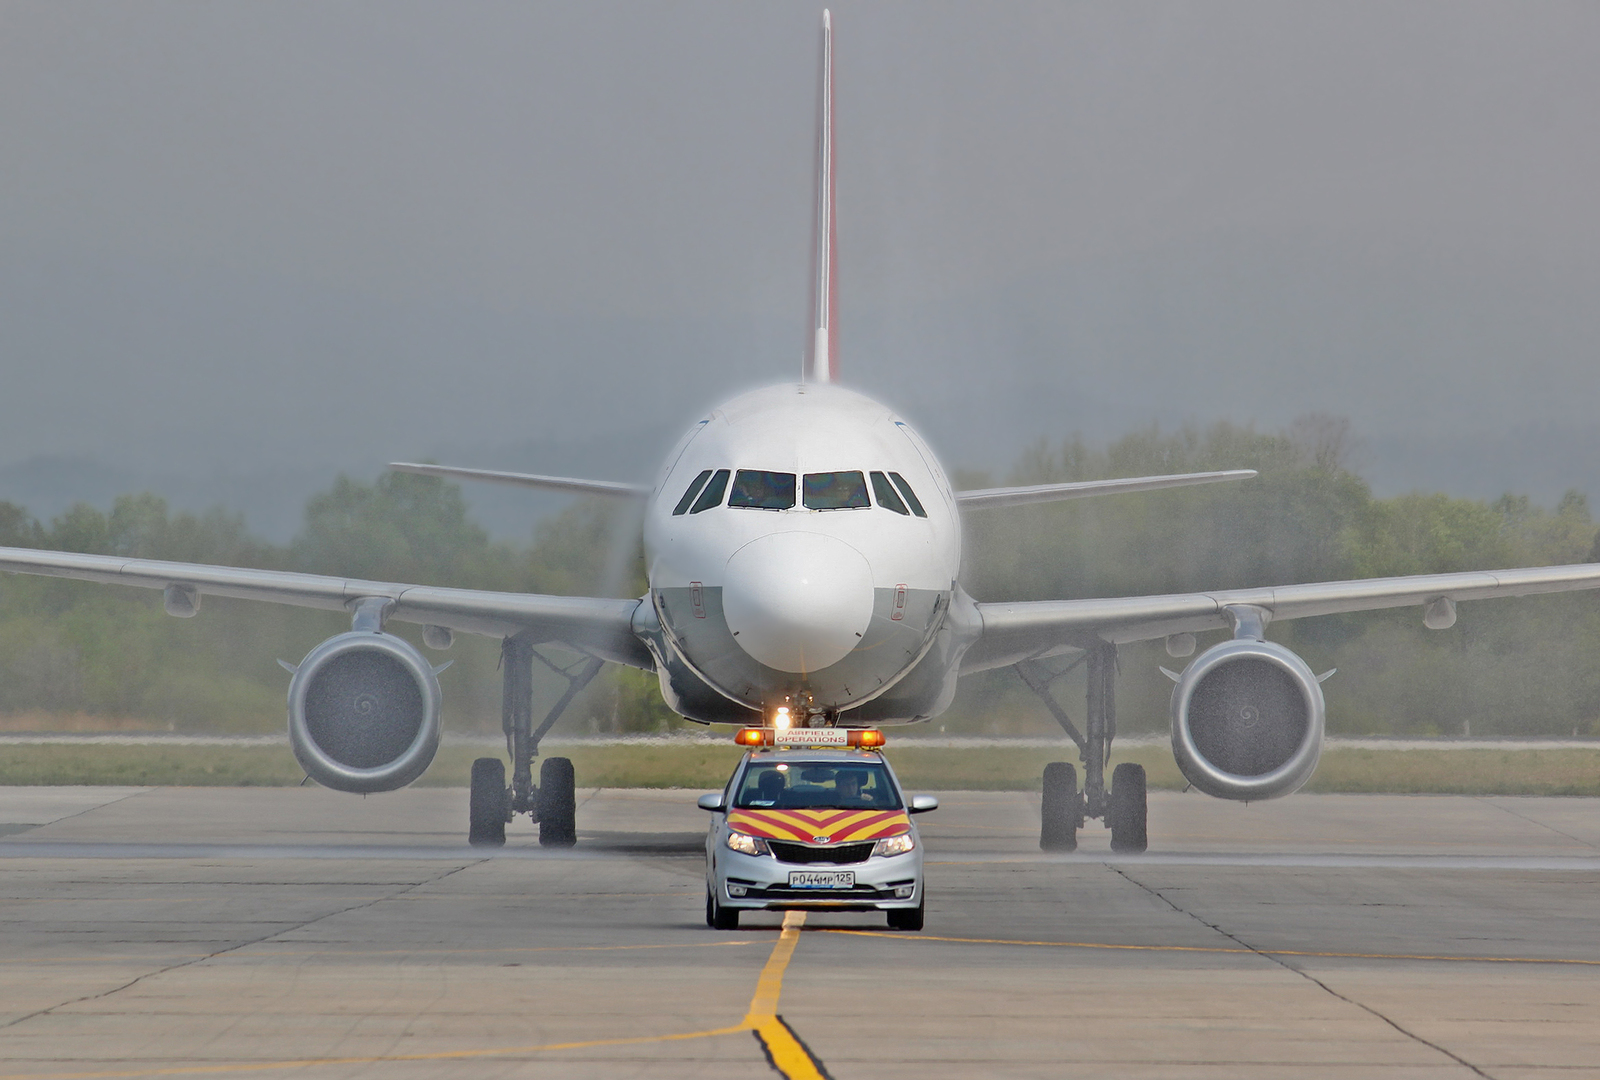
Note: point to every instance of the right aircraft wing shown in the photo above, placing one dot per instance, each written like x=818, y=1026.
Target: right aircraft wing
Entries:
x=529, y=480
x=1022, y=630
x=594, y=625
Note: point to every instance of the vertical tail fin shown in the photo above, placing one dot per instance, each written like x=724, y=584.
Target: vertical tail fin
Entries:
x=822, y=363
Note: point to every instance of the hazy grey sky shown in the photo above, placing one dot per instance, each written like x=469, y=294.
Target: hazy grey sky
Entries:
x=277, y=237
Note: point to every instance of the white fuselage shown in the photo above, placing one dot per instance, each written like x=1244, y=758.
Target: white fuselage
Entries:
x=802, y=546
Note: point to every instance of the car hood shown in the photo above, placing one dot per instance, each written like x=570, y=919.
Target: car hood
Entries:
x=821, y=827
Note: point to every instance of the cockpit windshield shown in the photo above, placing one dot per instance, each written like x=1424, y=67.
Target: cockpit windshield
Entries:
x=784, y=785
x=756, y=490
x=835, y=491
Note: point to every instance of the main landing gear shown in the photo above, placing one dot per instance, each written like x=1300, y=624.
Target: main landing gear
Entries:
x=553, y=803
x=1064, y=808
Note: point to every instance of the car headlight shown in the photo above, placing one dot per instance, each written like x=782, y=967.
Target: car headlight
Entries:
x=894, y=845
x=747, y=845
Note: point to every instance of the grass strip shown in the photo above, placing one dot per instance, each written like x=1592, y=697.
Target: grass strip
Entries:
x=1565, y=771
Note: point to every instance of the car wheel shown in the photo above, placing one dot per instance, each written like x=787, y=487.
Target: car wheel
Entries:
x=906, y=918
x=719, y=917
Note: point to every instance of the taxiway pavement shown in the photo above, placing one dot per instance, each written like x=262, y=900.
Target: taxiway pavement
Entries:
x=298, y=932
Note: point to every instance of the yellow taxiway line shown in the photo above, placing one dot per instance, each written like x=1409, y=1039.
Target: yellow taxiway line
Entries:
x=786, y=1053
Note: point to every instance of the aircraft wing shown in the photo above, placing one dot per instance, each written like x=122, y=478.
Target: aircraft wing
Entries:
x=531, y=480
x=1018, y=631
x=597, y=626
x=985, y=498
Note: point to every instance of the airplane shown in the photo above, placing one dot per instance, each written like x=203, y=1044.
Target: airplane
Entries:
x=803, y=551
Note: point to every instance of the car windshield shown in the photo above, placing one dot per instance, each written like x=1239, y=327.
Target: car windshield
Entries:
x=835, y=491
x=798, y=785
x=756, y=490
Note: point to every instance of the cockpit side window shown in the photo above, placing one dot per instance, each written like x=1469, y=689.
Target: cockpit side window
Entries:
x=688, y=496
x=834, y=491
x=884, y=492
x=712, y=495
x=757, y=490
x=911, y=496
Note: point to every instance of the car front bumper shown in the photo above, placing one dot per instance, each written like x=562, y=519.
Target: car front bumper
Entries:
x=755, y=882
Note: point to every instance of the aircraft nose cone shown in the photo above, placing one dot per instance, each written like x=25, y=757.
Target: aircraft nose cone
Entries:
x=797, y=601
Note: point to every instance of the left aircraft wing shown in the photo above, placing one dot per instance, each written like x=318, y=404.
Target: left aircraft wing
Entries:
x=594, y=625
x=1022, y=630
x=985, y=498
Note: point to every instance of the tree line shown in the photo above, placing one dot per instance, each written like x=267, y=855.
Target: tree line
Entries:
x=105, y=654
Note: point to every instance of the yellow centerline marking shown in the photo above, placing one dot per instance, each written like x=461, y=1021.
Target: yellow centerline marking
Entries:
x=1211, y=949
x=785, y=1051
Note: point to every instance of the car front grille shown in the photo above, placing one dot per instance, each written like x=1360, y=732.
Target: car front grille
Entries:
x=843, y=855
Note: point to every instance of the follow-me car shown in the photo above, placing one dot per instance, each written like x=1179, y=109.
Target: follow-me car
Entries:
x=805, y=824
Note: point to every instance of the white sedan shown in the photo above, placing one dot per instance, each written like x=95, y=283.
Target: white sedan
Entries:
x=814, y=829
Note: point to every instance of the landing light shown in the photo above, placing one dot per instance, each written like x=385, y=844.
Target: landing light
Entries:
x=780, y=719
x=865, y=738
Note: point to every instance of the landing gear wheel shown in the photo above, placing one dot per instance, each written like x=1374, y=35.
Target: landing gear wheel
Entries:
x=558, y=804
x=1058, y=810
x=906, y=918
x=486, y=807
x=1127, y=814
x=719, y=917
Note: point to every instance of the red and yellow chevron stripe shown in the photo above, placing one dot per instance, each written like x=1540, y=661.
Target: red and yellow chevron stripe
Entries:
x=807, y=826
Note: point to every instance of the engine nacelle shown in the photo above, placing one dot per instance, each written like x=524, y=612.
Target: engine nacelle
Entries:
x=1247, y=721
x=364, y=712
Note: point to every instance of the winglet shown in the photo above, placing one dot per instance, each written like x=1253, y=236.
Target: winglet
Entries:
x=822, y=363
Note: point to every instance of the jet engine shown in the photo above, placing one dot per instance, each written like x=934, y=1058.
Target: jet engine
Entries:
x=364, y=712
x=1247, y=721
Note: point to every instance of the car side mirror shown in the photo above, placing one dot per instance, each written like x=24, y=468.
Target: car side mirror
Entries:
x=713, y=802
x=921, y=804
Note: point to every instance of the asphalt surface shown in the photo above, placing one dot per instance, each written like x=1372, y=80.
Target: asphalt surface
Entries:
x=297, y=932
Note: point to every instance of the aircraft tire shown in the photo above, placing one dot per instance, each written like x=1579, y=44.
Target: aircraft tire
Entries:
x=907, y=918
x=1128, y=812
x=486, y=809
x=558, y=803
x=1058, y=809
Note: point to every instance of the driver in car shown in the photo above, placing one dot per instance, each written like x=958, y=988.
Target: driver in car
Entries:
x=847, y=789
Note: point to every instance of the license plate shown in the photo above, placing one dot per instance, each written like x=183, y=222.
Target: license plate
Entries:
x=822, y=879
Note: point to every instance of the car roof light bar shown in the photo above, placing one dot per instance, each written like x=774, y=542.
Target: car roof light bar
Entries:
x=862, y=738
